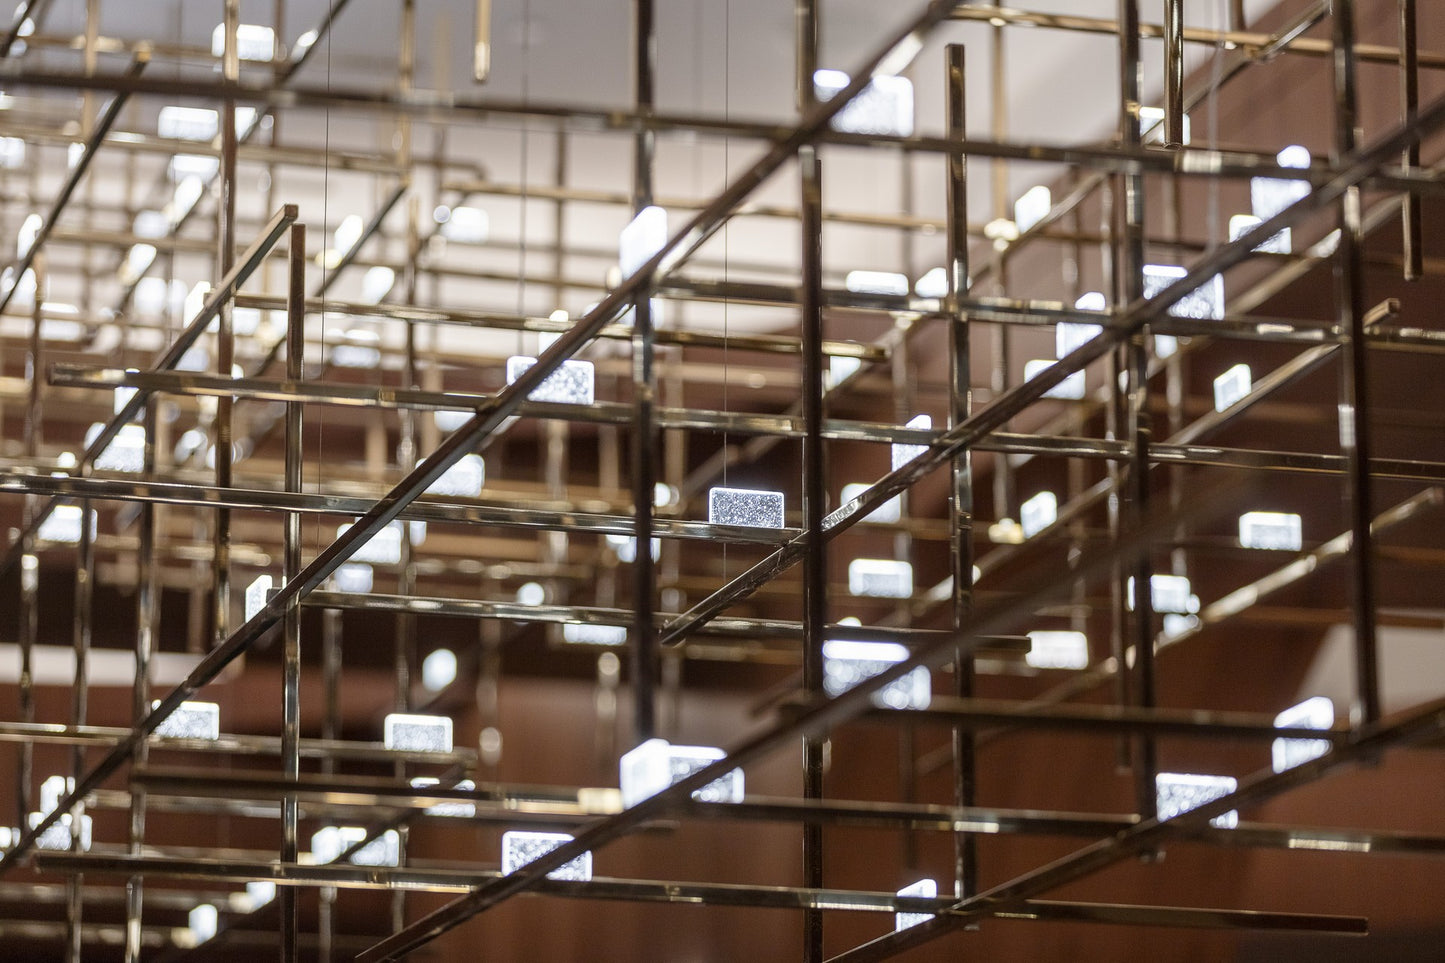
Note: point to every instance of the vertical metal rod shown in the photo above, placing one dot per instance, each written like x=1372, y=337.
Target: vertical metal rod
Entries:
x=965, y=848
x=29, y=562
x=644, y=386
x=1131, y=288
x=1173, y=74
x=1355, y=438
x=482, y=42
x=79, y=695
x=1410, y=214
x=225, y=340
x=291, y=624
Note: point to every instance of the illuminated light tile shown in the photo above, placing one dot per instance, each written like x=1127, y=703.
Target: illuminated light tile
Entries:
x=328, y=843
x=1069, y=336
x=63, y=525
x=203, y=922
x=126, y=451
x=253, y=42
x=927, y=888
x=1072, y=388
x=885, y=106
x=888, y=512
x=202, y=166
x=571, y=384
x=1058, y=650
x=354, y=577
x=73, y=154
x=54, y=789
x=1314, y=713
x=903, y=454
x=880, y=578
x=1165, y=345
x=188, y=123
x=1270, y=195
x=462, y=480
x=24, y=289
x=520, y=848
x=1091, y=301
x=876, y=282
x=383, y=548
x=376, y=283
x=256, y=595
x=29, y=231
x=743, y=506
x=1176, y=625
x=1151, y=125
x=348, y=232
x=1205, y=301
x=361, y=349
x=641, y=239
x=12, y=152
x=1177, y=793
x=453, y=809
x=1271, y=530
x=585, y=634
x=531, y=593
x=56, y=837
x=259, y=892
x=1232, y=386
x=1242, y=224
x=1038, y=513
x=438, y=669
x=1032, y=207
x=656, y=764
x=839, y=370
x=625, y=548
x=151, y=225
x=245, y=322
x=408, y=732
x=1167, y=593
x=191, y=720
x=468, y=225
x=183, y=199
x=449, y=421
x=846, y=663
x=934, y=284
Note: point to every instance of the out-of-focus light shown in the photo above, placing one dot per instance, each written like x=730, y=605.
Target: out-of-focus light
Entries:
x=438, y=669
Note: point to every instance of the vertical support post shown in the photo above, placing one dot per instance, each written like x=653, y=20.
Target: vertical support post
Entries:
x=79, y=697
x=482, y=42
x=1173, y=74
x=225, y=339
x=1413, y=241
x=644, y=387
x=1355, y=436
x=291, y=624
x=145, y=628
x=965, y=848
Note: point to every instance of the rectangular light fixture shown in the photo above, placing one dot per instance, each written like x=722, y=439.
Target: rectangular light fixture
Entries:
x=1314, y=713
x=570, y=384
x=903, y=454
x=1058, y=650
x=191, y=720
x=880, y=578
x=927, y=888
x=847, y=663
x=520, y=848
x=1281, y=531
x=745, y=506
x=656, y=764
x=408, y=732
x=1177, y=793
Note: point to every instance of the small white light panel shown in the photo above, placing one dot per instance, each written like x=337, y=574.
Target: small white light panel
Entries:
x=934, y=284
x=641, y=239
x=469, y=225
x=889, y=511
x=1232, y=386
x=903, y=454
x=187, y=123
x=376, y=283
x=847, y=663
x=885, y=106
x=202, y=166
x=458, y=809
x=927, y=888
x=656, y=764
x=1271, y=530
x=1069, y=336
x=1176, y=625
x=57, y=836
x=253, y=42
x=1177, y=793
x=625, y=547
x=520, y=848
x=1167, y=593
x=260, y=892
x=880, y=578
x=63, y=525
x=1032, y=207
x=582, y=634
x=203, y=921
x=54, y=789
x=571, y=384
x=1314, y=713
x=438, y=669
x=1205, y=301
x=1242, y=224
x=191, y=720
x=126, y=451
x=1058, y=650
x=329, y=842
x=743, y=506
x=876, y=282
x=256, y=594
x=12, y=152
x=1072, y=388
x=417, y=733
x=839, y=369
x=355, y=577
x=150, y=224
x=463, y=480
x=1270, y=195
x=383, y=548
x=1038, y=513
x=1165, y=345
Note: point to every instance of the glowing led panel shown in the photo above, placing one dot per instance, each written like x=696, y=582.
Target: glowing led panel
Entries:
x=330, y=842
x=1070, y=336
x=253, y=42
x=657, y=764
x=1242, y=224
x=847, y=663
x=1058, y=650
x=126, y=451
x=571, y=384
x=880, y=578
x=12, y=152
x=63, y=525
x=470, y=225
x=926, y=888
x=1271, y=530
x=885, y=106
x=1270, y=195
x=889, y=511
x=1032, y=207
x=1072, y=388
x=743, y=506
x=354, y=577
x=191, y=720
x=520, y=848
x=934, y=284
x=1315, y=713
x=1205, y=301
x=256, y=594
x=438, y=669
x=187, y=123
x=1167, y=593
x=642, y=238
x=903, y=454
x=455, y=809
x=876, y=282
x=417, y=733
x=260, y=892
x=583, y=634
x=1232, y=387
x=1038, y=513
x=57, y=835
x=383, y=548
x=54, y=789
x=462, y=480
x=202, y=922
x=1177, y=793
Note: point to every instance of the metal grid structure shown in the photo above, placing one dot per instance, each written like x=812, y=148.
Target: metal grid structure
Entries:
x=326, y=404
